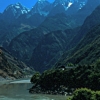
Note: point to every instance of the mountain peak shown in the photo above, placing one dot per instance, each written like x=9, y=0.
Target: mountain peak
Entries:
x=15, y=10
x=18, y=3
x=68, y=3
x=39, y=7
x=41, y=0
x=63, y=1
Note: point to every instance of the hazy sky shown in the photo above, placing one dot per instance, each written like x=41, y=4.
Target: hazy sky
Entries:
x=26, y=3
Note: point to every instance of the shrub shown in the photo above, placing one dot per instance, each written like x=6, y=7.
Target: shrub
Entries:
x=35, y=78
x=83, y=94
x=97, y=95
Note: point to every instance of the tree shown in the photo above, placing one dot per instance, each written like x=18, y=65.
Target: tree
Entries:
x=35, y=78
x=83, y=94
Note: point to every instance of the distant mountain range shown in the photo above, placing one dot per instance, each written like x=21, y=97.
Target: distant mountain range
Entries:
x=16, y=13
x=49, y=31
x=43, y=7
x=17, y=18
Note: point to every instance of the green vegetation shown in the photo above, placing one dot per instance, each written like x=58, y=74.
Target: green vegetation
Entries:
x=85, y=94
x=68, y=80
x=35, y=78
x=88, y=49
x=86, y=52
x=23, y=45
x=51, y=48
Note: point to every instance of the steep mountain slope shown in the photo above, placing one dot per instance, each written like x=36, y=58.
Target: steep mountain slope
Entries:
x=9, y=27
x=51, y=48
x=23, y=45
x=24, y=20
x=90, y=22
x=86, y=10
x=12, y=68
x=37, y=14
x=0, y=15
x=31, y=20
x=87, y=51
x=8, y=31
x=14, y=20
x=58, y=22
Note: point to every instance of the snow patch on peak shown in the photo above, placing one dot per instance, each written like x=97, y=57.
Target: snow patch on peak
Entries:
x=16, y=10
x=39, y=7
x=17, y=7
x=70, y=3
x=41, y=1
x=66, y=3
x=18, y=4
x=82, y=4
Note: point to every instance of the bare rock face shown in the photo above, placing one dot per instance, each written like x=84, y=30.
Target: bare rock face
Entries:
x=12, y=68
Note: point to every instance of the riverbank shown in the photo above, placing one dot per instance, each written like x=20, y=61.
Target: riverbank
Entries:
x=15, y=81
x=18, y=90
x=19, y=81
x=57, y=91
x=4, y=82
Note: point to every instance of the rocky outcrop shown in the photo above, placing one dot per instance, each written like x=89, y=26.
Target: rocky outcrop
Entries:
x=11, y=67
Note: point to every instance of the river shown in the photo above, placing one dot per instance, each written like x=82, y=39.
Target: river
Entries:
x=18, y=90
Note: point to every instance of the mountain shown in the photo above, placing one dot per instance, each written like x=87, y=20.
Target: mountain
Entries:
x=0, y=15
x=13, y=11
x=36, y=15
x=50, y=48
x=8, y=31
x=29, y=30
x=87, y=50
x=42, y=7
x=11, y=67
x=16, y=19
x=91, y=21
x=18, y=14
x=66, y=6
x=76, y=6
x=23, y=45
x=42, y=58
x=31, y=20
x=10, y=27
x=58, y=22
x=86, y=10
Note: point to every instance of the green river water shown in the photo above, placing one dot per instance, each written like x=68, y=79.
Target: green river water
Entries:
x=18, y=90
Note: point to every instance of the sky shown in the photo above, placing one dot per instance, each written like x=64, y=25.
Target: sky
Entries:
x=26, y=3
